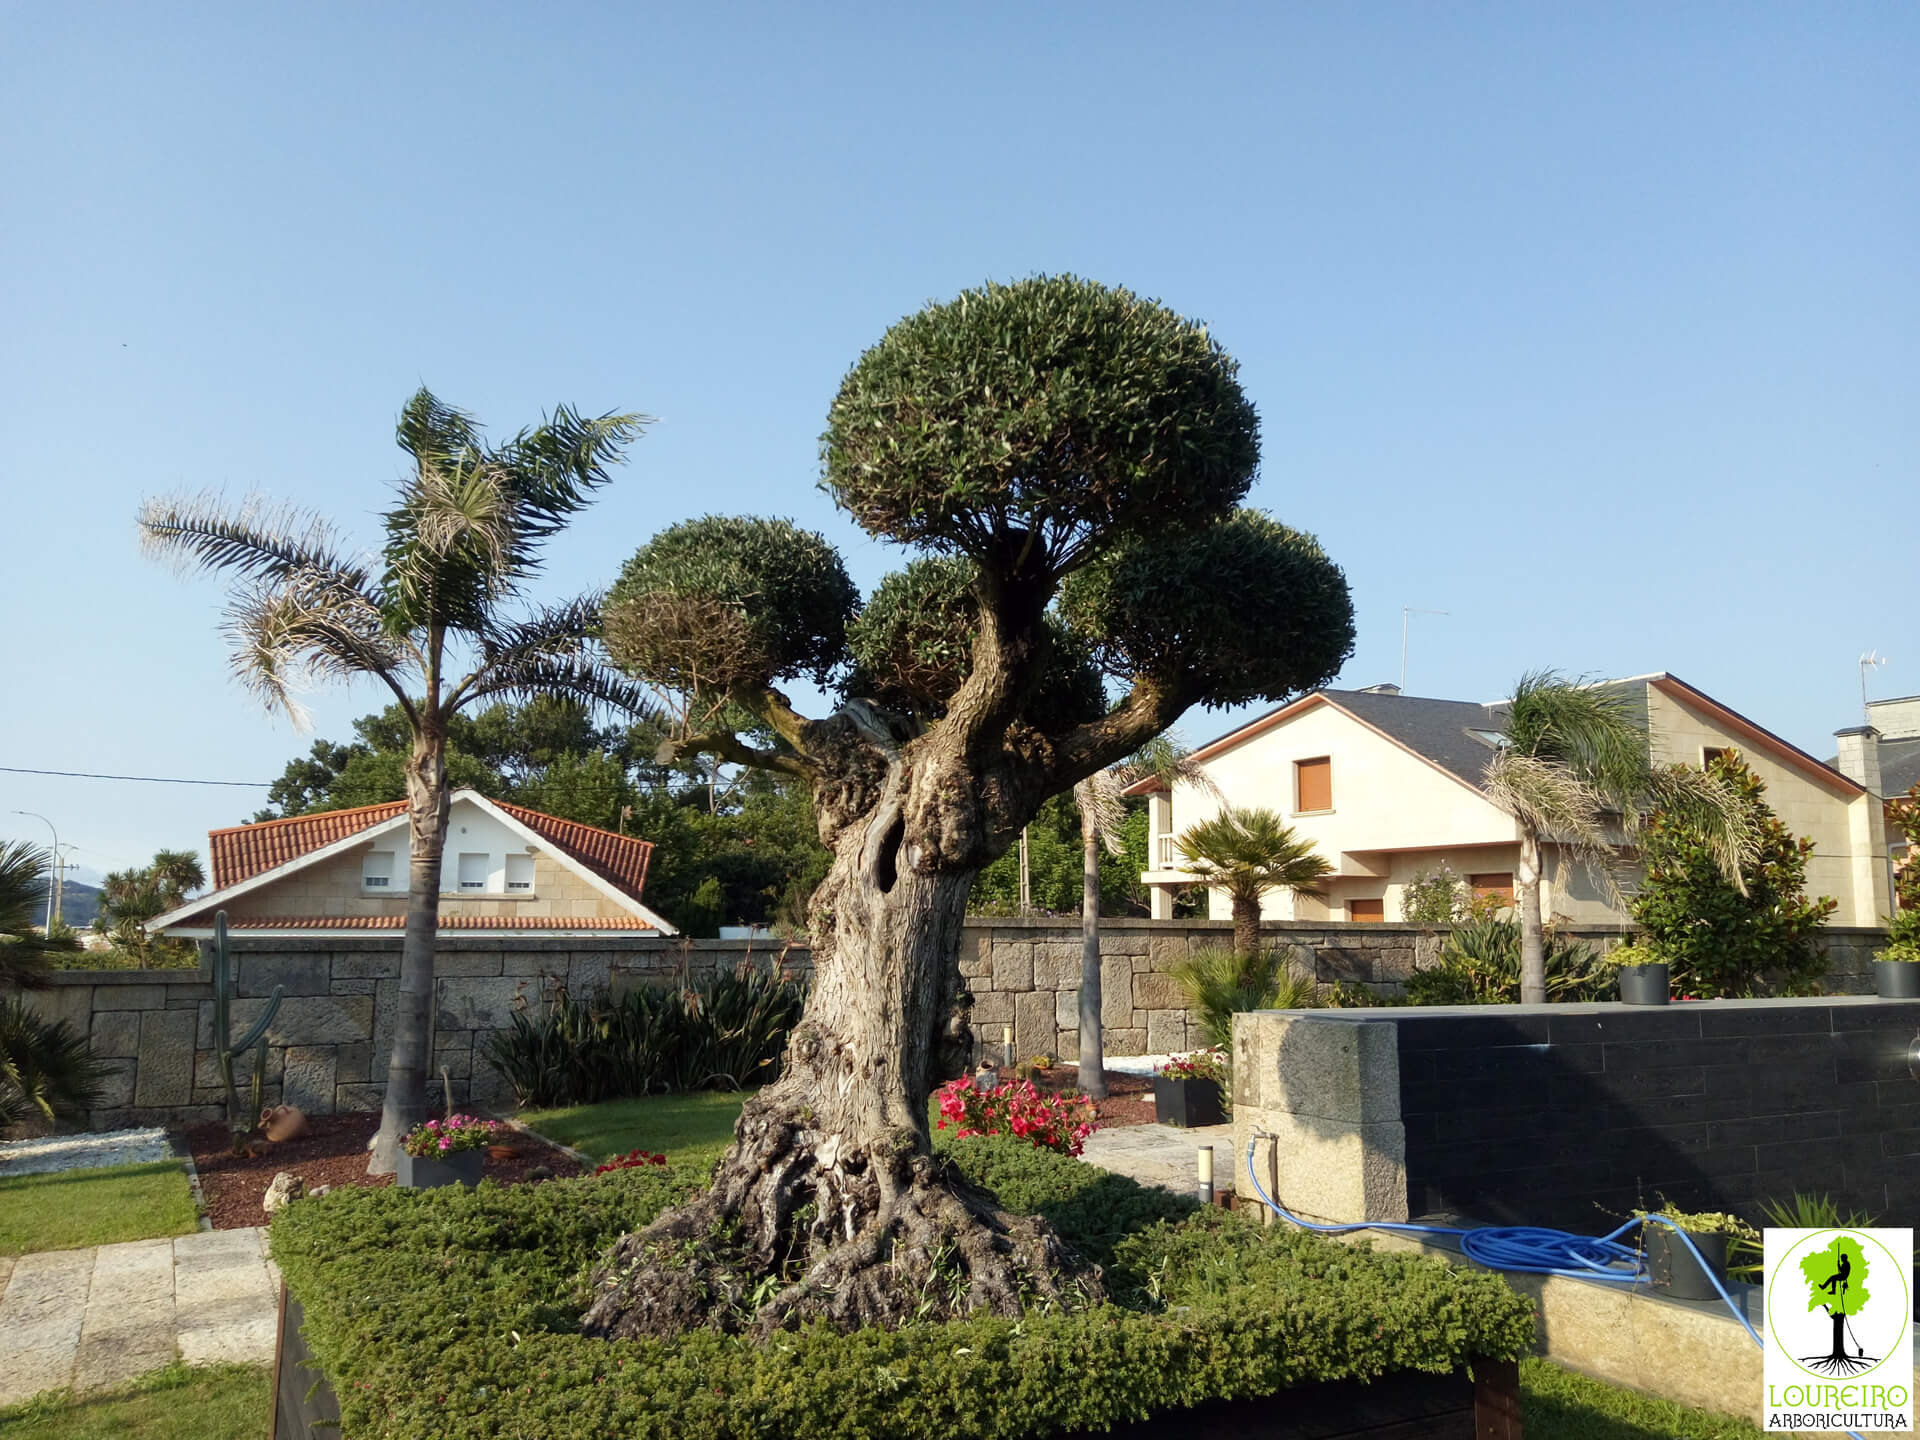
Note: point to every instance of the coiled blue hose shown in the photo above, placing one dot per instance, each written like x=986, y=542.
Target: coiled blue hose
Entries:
x=1532, y=1250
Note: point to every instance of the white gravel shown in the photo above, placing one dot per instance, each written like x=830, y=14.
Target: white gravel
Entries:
x=83, y=1152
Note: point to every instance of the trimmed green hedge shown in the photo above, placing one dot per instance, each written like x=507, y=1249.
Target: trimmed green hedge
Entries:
x=451, y=1314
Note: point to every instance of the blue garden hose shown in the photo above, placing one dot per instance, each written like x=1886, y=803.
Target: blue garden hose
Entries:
x=1531, y=1250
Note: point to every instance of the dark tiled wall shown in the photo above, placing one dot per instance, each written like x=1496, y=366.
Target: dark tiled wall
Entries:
x=1570, y=1119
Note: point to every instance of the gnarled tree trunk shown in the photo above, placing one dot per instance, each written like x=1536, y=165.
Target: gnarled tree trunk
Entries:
x=428, y=804
x=831, y=1203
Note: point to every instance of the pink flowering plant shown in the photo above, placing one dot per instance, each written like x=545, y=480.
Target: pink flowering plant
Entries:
x=1060, y=1123
x=1208, y=1064
x=438, y=1138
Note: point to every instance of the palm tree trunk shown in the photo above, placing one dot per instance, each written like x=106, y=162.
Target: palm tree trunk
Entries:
x=1533, y=950
x=1246, y=926
x=1093, y=1061
x=428, y=805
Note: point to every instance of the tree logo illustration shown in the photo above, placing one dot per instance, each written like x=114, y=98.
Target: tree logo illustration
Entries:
x=1836, y=1282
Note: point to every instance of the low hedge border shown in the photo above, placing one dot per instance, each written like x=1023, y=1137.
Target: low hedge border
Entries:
x=453, y=1314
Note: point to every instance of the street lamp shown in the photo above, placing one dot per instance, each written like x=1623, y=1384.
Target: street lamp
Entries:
x=55, y=852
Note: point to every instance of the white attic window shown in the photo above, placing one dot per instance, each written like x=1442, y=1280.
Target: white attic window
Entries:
x=1492, y=739
x=376, y=870
x=519, y=873
x=473, y=870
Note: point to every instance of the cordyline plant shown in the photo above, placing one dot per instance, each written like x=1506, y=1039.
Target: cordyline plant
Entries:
x=1069, y=460
x=437, y=619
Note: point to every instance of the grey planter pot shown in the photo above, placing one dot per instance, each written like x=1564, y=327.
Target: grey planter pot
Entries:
x=1644, y=985
x=419, y=1173
x=1676, y=1272
x=1896, y=979
x=1187, y=1103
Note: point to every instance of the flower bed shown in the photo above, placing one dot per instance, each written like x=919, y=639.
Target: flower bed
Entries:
x=1060, y=1123
x=451, y=1314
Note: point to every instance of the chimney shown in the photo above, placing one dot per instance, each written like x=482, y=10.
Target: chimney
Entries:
x=1895, y=719
x=1860, y=756
x=1872, y=867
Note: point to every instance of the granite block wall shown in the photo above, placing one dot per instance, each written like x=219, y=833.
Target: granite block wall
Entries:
x=327, y=1049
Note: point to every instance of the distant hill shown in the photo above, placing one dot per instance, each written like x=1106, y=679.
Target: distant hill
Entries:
x=79, y=903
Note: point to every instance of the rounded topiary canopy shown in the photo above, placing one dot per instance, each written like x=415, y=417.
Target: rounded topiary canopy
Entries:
x=727, y=600
x=1055, y=407
x=912, y=647
x=1246, y=610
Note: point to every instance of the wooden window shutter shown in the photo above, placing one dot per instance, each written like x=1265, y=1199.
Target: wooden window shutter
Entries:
x=1371, y=910
x=1313, y=784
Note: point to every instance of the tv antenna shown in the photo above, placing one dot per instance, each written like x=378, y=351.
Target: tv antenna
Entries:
x=1871, y=660
x=1407, y=612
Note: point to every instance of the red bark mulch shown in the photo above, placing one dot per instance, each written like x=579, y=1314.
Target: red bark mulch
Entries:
x=332, y=1152
x=1129, y=1097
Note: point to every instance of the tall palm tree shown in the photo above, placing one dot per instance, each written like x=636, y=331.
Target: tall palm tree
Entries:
x=1577, y=772
x=131, y=898
x=1103, y=814
x=46, y=1068
x=429, y=619
x=1247, y=853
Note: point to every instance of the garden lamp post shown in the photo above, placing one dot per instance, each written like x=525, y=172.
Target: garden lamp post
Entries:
x=51, y=882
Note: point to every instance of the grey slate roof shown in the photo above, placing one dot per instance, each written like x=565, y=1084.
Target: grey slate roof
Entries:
x=1434, y=729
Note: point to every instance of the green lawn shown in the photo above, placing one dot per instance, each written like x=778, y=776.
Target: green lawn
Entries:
x=1566, y=1406
x=685, y=1127
x=227, y=1402
x=74, y=1208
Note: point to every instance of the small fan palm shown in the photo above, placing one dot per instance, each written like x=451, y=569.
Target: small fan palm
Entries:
x=46, y=1069
x=1103, y=814
x=1577, y=772
x=431, y=620
x=1247, y=853
x=1219, y=984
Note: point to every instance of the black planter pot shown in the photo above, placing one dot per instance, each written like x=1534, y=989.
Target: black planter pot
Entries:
x=1896, y=979
x=417, y=1172
x=1644, y=985
x=1187, y=1103
x=1674, y=1269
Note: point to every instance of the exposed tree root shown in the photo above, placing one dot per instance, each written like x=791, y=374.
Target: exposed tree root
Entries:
x=799, y=1226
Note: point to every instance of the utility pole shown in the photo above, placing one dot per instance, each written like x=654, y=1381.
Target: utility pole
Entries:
x=60, y=881
x=1406, y=613
x=52, y=882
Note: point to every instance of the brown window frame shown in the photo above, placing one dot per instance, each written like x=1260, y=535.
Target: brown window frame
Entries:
x=1300, y=807
x=1711, y=753
x=1379, y=917
x=1505, y=892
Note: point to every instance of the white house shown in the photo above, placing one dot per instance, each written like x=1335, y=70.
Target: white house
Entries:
x=1389, y=785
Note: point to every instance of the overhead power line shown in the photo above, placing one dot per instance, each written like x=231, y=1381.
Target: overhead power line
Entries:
x=145, y=779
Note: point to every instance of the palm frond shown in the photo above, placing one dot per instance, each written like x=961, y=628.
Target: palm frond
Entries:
x=1712, y=809
x=558, y=465
x=289, y=637
x=1589, y=729
x=579, y=676
x=23, y=893
x=46, y=1067
x=257, y=540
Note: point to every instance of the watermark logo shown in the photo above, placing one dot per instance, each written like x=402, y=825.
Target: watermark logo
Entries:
x=1839, y=1317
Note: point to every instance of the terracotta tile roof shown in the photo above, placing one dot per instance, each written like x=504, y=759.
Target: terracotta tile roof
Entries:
x=447, y=922
x=621, y=859
x=243, y=851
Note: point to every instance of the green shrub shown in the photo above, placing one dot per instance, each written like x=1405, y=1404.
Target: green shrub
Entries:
x=727, y=1034
x=453, y=1314
x=1219, y=983
x=1903, y=937
x=1480, y=965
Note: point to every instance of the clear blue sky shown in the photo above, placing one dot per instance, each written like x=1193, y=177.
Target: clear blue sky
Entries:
x=1595, y=326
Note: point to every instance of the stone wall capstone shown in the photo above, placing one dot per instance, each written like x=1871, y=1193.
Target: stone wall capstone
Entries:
x=328, y=1048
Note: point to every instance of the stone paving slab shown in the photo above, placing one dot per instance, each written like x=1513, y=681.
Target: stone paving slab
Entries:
x=96, y=1318
x=83, y=1152
x=1162, y=1155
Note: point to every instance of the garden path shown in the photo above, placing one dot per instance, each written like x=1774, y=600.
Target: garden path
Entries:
x=99, y=1317
x=1162, y=1155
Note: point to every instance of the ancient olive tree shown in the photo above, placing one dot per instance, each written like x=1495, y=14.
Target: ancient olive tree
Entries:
x=1069, y=459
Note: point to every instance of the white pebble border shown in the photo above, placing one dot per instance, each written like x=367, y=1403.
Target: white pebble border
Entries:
x=84, y=1152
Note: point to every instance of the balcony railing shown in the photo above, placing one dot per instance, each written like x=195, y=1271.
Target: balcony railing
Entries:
x=1166, y=857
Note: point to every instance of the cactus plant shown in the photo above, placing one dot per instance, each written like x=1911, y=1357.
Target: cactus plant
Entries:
x=239, y=1123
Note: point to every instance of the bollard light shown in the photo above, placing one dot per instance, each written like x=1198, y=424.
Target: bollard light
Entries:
x=1203, y=1190
x=1006, y=1045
